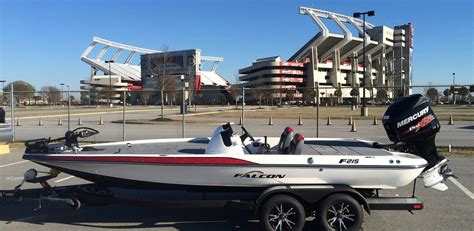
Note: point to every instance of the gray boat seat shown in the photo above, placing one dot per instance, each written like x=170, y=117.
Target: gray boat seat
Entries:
x=296, y=145
x=285, y=140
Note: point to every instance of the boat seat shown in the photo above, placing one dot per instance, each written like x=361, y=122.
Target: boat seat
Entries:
x=296, y=145
x=285, y=140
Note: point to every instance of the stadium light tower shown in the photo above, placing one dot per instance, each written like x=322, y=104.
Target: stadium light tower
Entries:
x=110, y=82
x=364, y=109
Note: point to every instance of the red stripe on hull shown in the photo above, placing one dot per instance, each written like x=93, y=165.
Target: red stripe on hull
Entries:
x=141, y=159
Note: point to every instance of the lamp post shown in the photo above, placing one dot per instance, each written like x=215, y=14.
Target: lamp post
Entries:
x=454, y=88
x=68, y=108
x=364, y=109
x=3, y=87
x=110, y=82
x=62, y=92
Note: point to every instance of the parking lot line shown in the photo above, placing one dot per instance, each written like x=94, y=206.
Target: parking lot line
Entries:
x=63, y=179
x=460, y=186
x=19, y=162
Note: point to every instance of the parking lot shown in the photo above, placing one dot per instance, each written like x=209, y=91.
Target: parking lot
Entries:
x=450, y=210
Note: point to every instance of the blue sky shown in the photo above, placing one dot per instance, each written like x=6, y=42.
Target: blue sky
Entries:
x=41, y=41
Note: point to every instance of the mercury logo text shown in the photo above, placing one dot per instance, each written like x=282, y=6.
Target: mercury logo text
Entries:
x=412, y=118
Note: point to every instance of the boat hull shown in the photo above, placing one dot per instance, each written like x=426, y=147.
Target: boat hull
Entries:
x=230, y=172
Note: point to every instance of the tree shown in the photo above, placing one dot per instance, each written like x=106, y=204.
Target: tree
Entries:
x=463, y=92
x=22, y=90
x=446, y=92
x=145, y=96
x=235, y=91
x=51, y=93
x=166, y=82
x=258, y=93
x=382, y=95
x=432, y=94
x=222, y=98
x=338, y=94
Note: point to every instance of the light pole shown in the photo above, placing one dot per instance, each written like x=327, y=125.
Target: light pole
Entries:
x=454, y=88
x=68, y=109
x=62, y=92
x=364, y=109
x=3, y=87
x=110, y=82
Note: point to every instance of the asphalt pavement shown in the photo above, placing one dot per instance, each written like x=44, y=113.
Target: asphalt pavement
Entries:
x=449, y=210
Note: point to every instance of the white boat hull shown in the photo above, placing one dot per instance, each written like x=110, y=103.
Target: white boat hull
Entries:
x=253, y=171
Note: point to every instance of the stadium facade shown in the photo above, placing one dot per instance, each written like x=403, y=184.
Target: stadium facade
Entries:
x=333, y=61
x=118, y=73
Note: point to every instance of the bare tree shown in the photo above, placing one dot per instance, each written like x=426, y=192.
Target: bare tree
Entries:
x=165, y=81
x=145, y=96
x=51, y=93
x=234, y=92
x=258, y=94
x=382, y=95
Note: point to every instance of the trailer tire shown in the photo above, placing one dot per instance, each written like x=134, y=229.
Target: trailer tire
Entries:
x=340, y=212
x=282, y=210
x=74, y=203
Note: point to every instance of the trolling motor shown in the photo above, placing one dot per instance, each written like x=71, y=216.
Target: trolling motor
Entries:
x=44, y=145
x=412, y=125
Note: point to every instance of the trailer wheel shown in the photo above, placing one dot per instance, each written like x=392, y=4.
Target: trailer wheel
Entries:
x=74, y=203
x=340, y=212
x=282, y=213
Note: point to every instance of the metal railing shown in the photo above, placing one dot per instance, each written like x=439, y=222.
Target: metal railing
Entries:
x=184, y=113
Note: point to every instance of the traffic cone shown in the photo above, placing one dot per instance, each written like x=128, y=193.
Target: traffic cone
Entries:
x=451, y=121
x=101, y=121
x=240, y=121
x=18, y=121
x=79, y=122
x=40, y=122
x=300, y=121
x=375, y=121
x=60, y=122
x=270, y=121
x=329, y=121
x=353, y=127
x=350, y=121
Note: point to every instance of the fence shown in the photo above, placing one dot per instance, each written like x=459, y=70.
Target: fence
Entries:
x=161, y=114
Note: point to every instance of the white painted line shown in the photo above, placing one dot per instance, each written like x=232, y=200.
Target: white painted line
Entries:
x=19, y=162
x=460, y=186
x=63, y=179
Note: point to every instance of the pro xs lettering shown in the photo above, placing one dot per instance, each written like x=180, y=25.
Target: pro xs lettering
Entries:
x=413, y=117
x=349, y=161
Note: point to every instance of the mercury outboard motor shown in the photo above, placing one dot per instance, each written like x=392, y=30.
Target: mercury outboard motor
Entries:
x=411, y=124
x=412, y=121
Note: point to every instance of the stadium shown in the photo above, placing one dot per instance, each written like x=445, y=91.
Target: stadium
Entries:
x=120, y=72
x=334, y=61
x=330, y=61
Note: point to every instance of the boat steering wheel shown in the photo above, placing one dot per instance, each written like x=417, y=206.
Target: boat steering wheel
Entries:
x=84, y=132
x=246, y=134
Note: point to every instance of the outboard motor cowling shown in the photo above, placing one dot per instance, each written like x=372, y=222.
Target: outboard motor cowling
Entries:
x=411, y=124
x=412, y=121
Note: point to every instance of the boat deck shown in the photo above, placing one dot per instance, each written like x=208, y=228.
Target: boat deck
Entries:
x=198, y=146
